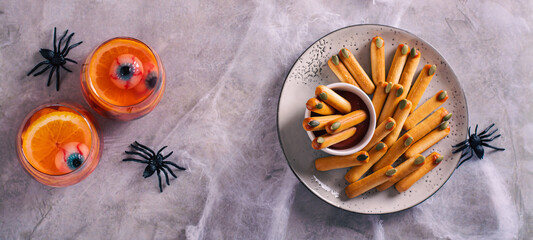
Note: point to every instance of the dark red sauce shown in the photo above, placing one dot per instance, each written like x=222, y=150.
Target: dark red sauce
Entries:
x=362, y=128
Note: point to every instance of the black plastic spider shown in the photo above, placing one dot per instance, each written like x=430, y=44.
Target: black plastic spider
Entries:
x=156, y=162
x=475, y=142
x=55, y=59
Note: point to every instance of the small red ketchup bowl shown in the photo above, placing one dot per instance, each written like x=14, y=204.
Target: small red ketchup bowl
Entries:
x=365, y=130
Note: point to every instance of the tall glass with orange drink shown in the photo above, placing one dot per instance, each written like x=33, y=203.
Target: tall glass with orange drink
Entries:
x=59, y=144
x=123, y=79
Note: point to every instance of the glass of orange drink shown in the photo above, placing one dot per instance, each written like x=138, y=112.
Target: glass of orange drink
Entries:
x=58, y=144
x=123, y=79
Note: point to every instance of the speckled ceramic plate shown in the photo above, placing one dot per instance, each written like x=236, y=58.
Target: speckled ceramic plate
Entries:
x=311, y=70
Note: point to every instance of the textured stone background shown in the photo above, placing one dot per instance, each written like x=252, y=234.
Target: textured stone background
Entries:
x=226, y=62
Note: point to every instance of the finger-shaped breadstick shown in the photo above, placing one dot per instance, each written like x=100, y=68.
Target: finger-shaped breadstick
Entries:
x=421, y=84
x=318, y=123
x=317, y=106
x=395, y=151
x=395, y=96
x=398, y=62
x=383, y=129
x=340, y=70
x=431, y=162
x=346, y=121
x=333, y=99
x=429, y=140
x=404, y=169
x=401, y=113
x=374, y=155
x=327, y=139
x=358, y=73
x=409, y=70
x=335, y=162
x=426, y=108
x=429, y=123
x=371, y=181
x=382, y=90
x=377, y=60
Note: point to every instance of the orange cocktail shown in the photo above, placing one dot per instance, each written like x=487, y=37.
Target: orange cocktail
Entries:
x=58, y=144
x=123, y=78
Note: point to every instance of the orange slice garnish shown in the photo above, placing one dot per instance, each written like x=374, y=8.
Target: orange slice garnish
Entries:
x=42, y=139
x=101, y=62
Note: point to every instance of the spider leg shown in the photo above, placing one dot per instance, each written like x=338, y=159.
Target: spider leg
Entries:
x=170, y=171
x=488, y=134
x=166, y=176
x=70, y=60
x=138, y=154
x=135, y=160
x=466, y=159
x=60, y=40
x=469, y=131
x=493, y=147
x=55, y=48
x=71, y=47
x=42, y=71
x=175, y=165
x=486, y=129
x=50, y=76
x=142, y=150
x=68, y=70
x=460, y=144
x=57, y=78
x=37, y=66
x=159, y=177
x=460, y=149
x=168, y=155
x=475, y=132
x=145, y=147
x=67, y=43
x=490, y=139
x=464, y=153
x=160, y=150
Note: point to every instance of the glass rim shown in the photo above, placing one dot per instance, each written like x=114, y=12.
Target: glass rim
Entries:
x=94, y=135
x=148, y=98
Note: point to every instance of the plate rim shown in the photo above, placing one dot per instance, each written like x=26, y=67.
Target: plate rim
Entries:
x=283, y=87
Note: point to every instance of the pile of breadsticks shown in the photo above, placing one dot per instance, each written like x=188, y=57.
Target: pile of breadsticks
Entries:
x=394, y=101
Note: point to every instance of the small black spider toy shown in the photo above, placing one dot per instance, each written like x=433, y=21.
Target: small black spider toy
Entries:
x=156, y=162
x=55, y=59
x=475, y=143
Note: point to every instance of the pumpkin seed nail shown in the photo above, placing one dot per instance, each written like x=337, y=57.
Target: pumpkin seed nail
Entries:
x=335, y=59
x=413, y=52
x=442, y=95
x=345, y=53
x=362, y=157
x=389, y=125
x=313, y=123
x=432, y=70
x=408, y=141
x=444, y=125
x=388, y=88
x=447, y=117
x=419, y=160
x=391, y=172
x=323, y=96
x=399, y=92
x=402, y=104
x=380, y=146
x=379, y=42
x=335, y=125
x=405, y=49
